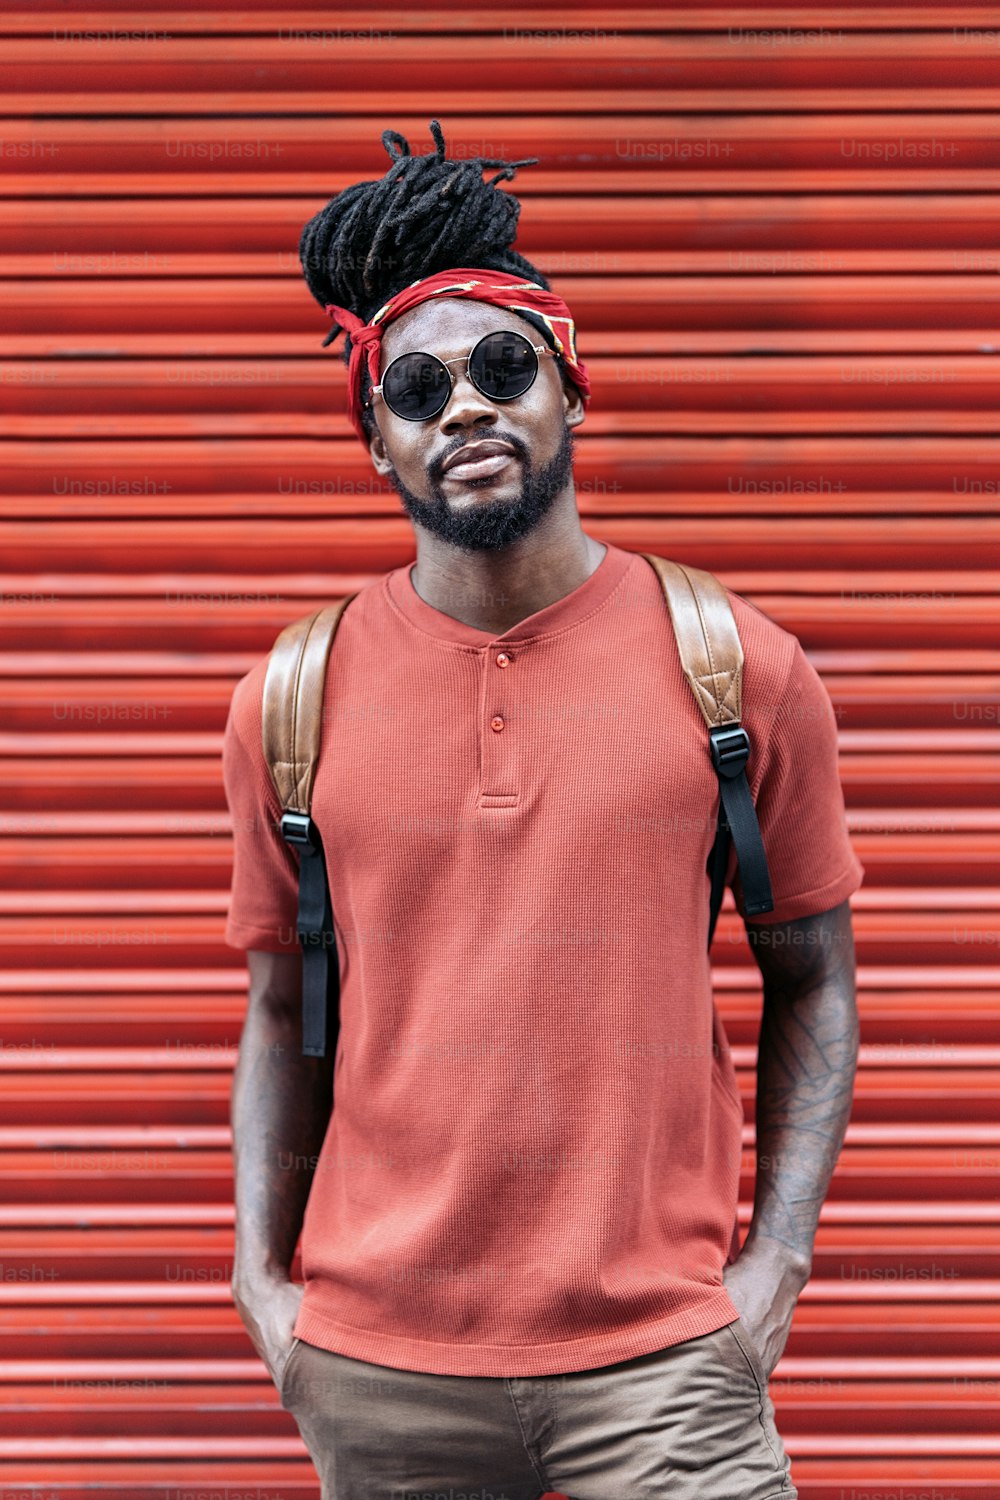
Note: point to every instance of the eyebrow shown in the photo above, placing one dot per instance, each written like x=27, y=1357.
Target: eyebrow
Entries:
x=528, y=332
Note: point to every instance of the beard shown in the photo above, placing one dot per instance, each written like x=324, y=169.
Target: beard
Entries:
x=490, y=525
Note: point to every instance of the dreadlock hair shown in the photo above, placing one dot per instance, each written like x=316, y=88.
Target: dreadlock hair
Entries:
x=425, y=215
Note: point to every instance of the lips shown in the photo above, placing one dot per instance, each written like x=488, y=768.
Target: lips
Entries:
x=470, y=462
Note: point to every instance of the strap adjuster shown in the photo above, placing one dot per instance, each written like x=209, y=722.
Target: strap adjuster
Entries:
x=299, y=828
x=730, y=746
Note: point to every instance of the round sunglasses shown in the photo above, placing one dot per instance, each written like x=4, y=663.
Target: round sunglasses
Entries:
x=502, y=366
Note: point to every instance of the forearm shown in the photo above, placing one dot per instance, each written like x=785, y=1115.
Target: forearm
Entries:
x=280, y=1109
x=807, y=1058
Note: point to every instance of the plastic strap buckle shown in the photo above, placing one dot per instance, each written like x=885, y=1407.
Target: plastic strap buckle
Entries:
x=299, y=828
x=730, y=746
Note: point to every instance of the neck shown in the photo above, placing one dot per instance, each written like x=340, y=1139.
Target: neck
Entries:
x=494, y=591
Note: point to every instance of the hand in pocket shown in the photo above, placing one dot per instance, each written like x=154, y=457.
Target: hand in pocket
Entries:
x=268, y=1307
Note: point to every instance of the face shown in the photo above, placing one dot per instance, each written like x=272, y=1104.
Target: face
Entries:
x=476, y=511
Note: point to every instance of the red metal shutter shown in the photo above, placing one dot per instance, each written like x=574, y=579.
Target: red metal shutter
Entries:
x=778, y=231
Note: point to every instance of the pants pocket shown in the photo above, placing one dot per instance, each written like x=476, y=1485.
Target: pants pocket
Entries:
x=289, y=1360
x=746, y=1343
x=766, y=1416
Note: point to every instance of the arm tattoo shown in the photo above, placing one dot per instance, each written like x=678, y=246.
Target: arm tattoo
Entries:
x=807, y=1058
x=279, y=1112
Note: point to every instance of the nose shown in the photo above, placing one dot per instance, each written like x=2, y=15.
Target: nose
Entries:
x=466, y=406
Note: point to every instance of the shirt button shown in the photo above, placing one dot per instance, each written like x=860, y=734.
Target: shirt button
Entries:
x=503, y=660
x=496, y=722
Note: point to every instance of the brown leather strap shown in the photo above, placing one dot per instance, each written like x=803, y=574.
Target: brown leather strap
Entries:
x=292, y=711
x=707, y=638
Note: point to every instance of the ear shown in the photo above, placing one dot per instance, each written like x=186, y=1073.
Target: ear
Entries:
x=376, y=448
x=572, y=403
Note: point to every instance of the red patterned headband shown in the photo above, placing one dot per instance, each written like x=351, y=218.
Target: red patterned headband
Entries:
x=497, y=287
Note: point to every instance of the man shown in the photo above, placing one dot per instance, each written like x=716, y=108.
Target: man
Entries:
x=522, y=1266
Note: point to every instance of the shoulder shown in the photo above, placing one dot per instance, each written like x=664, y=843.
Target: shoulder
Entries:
x=360, y=623
x=248, y=693
x=247, y=697
x=772, y=655
x=786, y=707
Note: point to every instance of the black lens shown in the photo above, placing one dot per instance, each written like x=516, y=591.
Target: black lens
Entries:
x=503, y=365
x=415, y=386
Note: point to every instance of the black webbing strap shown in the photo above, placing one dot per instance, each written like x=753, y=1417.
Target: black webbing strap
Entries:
x=716, y=868
x=730, y=747
x=320, y=967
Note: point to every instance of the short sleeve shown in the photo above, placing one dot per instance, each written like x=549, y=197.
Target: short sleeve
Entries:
x=264, y=894
x=800, y=802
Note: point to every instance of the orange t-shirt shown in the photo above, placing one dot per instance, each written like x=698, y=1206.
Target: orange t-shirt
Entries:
x=532, y=1165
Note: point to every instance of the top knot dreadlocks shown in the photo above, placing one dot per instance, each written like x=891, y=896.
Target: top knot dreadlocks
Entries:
x=426, y=214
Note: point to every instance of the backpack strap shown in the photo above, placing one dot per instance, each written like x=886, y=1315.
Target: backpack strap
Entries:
x=291, y=729
x=711, y=655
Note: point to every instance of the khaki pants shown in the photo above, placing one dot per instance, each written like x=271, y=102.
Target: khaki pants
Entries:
x=690, y=1422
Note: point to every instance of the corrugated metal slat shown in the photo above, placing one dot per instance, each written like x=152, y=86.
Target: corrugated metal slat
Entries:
x=778, y=228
